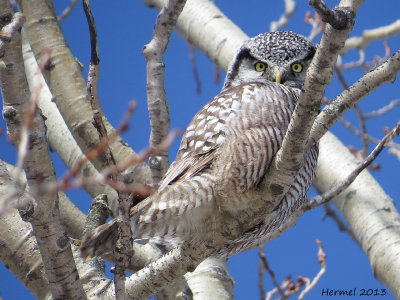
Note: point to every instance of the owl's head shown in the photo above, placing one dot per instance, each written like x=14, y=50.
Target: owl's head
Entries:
x=281, y=56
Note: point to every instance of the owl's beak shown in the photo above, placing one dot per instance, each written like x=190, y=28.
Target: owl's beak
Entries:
x=278, y=76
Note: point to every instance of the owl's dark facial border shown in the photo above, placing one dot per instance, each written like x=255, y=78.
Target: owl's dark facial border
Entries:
x=234, y=69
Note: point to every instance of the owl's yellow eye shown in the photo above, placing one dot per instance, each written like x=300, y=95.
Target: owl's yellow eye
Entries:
x=297, y=68
x=260, y=67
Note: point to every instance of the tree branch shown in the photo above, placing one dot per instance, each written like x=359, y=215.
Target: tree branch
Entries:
x=64, y=78
x=125, y=250
x=339, y=188
x=366, y=208
x=156, y=99
x=313, y=283
x=60, y=138
x=338, y=18
x=211, y=280
x=358, y=111
x=289, y=158
x=145, y=282
x=371, y=35
x=196, y=24
x=19, y=251
x=67, y=10
x=20, y=112
x=9, y=28
x=290, y=7
x=386, y=72
x=383, y=110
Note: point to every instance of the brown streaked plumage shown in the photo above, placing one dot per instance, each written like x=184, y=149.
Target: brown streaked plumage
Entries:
x=225, y=153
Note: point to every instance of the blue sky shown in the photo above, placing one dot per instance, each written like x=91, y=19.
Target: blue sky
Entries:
x=124, y=27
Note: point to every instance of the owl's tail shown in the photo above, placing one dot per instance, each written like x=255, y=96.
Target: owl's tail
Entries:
x=174, y=214
x=101, y=240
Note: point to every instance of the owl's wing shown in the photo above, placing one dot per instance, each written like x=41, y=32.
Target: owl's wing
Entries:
x=201, y=140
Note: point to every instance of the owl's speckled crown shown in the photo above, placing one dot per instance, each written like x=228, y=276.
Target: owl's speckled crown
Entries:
x=278, y=46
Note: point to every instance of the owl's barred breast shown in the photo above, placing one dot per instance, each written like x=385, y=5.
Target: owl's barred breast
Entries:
x=219, y=165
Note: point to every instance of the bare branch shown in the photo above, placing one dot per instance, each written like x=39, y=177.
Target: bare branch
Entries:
x=125, y=250
x=211, y=280
x=386, y=72
x=67, y=10
x=68, y=87
x=261, y=269
x=290, y=6
x=313, y=283
x=368, y=210
x=330, y=212
x=290, y=156
x=9, y=30
x=264, y=261
x=360, y=115
x=93, y=77
x=366, y=65
x=98, y=214
x=147, y=281
x=194, y=68
x=336, y=190
x=288, y=281
x=366, y=136
x=60, y=138
x=339, y=19
x=19, y=250
x=353, y=64
x=31, y=110
x=395, y=152
x=317, y=25
x=383, y=110
x=43, y=213
x=157, y=102
x=371, y=35
x=198, y=20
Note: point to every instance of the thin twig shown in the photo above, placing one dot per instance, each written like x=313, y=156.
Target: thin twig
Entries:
x=125, y=250
x=358, y=111
x=261, y=276
x=368, y=36
x=156, y=98
x=363, y=127
x=366, y=136
x=330, y=212
x=194, y=68
x=395, y=152
x=288, y=281
x=353, y=64
x=386, y=72
x=93, y=77
x=94, y=152
x=67, y=10
x=290, y=7
x=317, y=25
x=264, y=260
x=382, y=110
x=366, y=65
x=336, y=190
x=322, y=261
